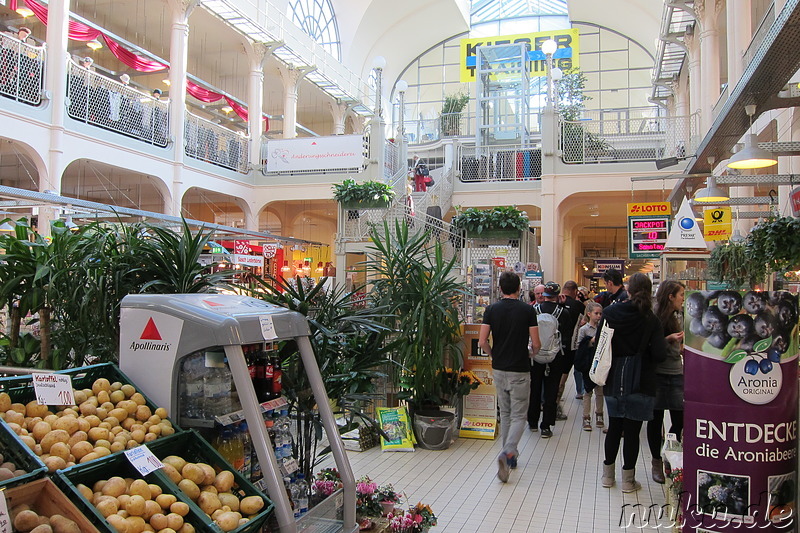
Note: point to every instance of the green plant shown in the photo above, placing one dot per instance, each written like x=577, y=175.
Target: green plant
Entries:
x=733, y=262
x=417, y=285
x=477, y=221
x=575, y=140
x=450, y=117
x=369, y=191
x=776, y=243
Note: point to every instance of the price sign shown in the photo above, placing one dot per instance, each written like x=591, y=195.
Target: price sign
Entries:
x=143, y=460
x=242, y=247
x=5, y=520
x=289, y=466
x=647, y=236
x=267, y=327
x=53, y=389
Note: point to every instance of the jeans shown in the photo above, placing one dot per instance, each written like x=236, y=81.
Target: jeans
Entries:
x=513, y=392
x=548, y=384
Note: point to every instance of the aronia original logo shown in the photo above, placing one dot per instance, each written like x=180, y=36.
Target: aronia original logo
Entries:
x=150, y=339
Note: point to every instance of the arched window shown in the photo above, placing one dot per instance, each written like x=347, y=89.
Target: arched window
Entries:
x=316, y=18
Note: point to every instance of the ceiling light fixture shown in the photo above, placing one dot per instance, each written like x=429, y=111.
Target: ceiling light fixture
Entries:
x=751, y=156
x=25, y=12
x=94, y=44
x=711, y=193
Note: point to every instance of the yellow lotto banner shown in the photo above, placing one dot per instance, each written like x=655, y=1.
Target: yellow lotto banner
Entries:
x=565, y=57
x=643, y=209
x=479, y=409
x=718, y=224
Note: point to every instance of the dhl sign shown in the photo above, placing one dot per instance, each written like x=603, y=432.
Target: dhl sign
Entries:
x=565, y=57
x=649, y=208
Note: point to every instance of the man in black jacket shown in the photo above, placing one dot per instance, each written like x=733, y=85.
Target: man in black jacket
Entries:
x=615, y=290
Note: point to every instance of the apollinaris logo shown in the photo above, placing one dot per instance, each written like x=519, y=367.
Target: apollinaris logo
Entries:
x=150, y=339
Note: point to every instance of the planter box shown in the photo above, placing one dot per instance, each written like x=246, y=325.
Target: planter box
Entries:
x=44, y=497
x=369, y=204
x=494, y=234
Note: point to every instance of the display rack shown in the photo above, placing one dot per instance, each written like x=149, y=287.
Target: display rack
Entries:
x=687, y=267
x=158, y=331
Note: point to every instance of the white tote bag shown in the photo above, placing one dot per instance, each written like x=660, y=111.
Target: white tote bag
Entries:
x=601, y=363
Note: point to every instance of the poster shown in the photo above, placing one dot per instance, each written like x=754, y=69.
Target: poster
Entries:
x=479, y=417
x=740, y=434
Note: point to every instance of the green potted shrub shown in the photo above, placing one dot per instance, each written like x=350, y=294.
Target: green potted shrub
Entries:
x=450, y=118
x=502, y=221
x=366, y=195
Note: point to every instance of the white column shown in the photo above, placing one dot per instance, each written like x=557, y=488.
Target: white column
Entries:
x=291, y=77
x=695, y=84
x=681, y=91
x=339, y=113
x=707, y=11
x=258, y=54
x=179, y=60
x=737, y=13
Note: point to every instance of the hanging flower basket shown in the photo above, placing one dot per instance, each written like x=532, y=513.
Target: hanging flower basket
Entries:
x=366, y=195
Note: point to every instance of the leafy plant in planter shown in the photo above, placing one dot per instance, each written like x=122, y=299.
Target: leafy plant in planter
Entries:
x=776, y=243
x=450, y=118
x=575, y=140
x=482, y=221
x=735, y=263
x=363, y=195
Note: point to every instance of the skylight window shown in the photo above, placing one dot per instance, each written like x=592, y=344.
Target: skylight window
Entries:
x=316, y=19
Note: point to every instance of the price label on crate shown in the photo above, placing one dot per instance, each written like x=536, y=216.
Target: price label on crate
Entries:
x=53, y=389
x=143, y=460
x=5, y=519
x=289, y=466
x=230, y=418
x=267, y=327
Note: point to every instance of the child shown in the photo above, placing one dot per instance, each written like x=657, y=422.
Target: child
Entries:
x=585, y=351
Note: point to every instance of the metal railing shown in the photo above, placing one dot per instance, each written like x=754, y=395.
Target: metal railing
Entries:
x=445, y=125
x=639, y=139
x=21, y=70
x=499, y=163
x=214, y=144
x=758, y=36
x=391, y=159
x=109, y=104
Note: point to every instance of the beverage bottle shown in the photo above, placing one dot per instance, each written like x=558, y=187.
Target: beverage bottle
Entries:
x=224, y=446
x=302, y=501
x=256, y=472
x=277, y=376
x=294, y=490
x=287, y=482
x=237, y=450
x=192, y=370
x=216, y=385
x=262, y=388
x=247, y=448
x=277, y=437
x=284, y=423
x=269, y=374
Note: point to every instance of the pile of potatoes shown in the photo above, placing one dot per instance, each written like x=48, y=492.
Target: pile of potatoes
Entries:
x=24, y=519
x=213, y=492
x=9, y=470
x=108, y=418
x=134, y=506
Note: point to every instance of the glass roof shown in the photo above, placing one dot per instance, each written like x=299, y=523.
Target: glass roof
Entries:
x=489, y=10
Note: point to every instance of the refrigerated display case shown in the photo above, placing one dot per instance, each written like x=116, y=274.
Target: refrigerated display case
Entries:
x=688, y=267
x=163, y=336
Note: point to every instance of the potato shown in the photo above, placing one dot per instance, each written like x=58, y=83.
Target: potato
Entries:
x=60, y=449
x=88, y=408
x=26, y=520
x=62, y=524
x=229, y=500
x=93, y=420
x=143, y=413
x=89, y=457
x=13, y=417
x=101, y=384
x=189, y=488
x=34, y=409
x=166, y=430
x=128, y=405
x=6, y=473
x=118, y=523
x=86, y=492
x=67, y=423
x=193, y=472
x=228, y=521
x=174, y=521
x=84, y=425
x=208, y=502
x=128, y=390
x=16, y=428
x=78, y=436
x=135, y=505
x=209, y=488
x=54, y=463
x=29, y=441
x=251, y=505
x=141, y=488
x=40, y=430
x=150, y=508
x=138, y=435
x=5, y=402
x=177, y=462
x=159, y=521
x=167, y=530
x=102, y=452
x=210, y=473
x=43, y=528
x=135, y=524
x=107, y=507
x=98, y=433
x=166, y=500
x=103, y=397
x=224, y=481
x=18, y=408
x=150, y=437
x=56, y=435
x=179, y=508
x=187, y=528
x=81, y=449
x=115, y=487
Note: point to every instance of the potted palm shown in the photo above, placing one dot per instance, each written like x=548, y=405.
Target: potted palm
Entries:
x=417, y=285
x=366, y=195
x=502, y=221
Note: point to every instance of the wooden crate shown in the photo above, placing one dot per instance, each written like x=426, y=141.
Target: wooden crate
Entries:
x=46, y=499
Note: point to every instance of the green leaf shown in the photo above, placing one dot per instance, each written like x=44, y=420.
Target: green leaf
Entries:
x=736, y=356
x=762, y=345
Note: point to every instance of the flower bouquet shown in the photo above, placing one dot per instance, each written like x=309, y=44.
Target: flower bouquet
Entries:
x=418, y=519
x=366, y=499
x=327, y=482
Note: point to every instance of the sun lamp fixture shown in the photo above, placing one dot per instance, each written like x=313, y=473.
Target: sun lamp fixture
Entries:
x=711, y=193
x=24, y=12
x=751, y=156
x=94, y=44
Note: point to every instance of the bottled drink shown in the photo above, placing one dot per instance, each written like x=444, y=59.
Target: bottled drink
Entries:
x=237, y=450
x=262, y=386
x=223, y=444
x=255, y=465
x=247, y=450
x=277, y=376
x=192, y=370
x=269, y=381
x=284, y=425
x=302, y=501
x=294, y=489
x=287, y=482
x=216, y=385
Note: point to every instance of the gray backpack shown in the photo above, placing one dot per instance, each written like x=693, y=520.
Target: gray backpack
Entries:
x=549, y=335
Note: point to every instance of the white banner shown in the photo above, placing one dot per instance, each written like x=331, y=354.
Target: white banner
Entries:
x=315, y=153
x=249, y=260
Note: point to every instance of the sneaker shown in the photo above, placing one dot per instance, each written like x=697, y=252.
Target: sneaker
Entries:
x=512, y=462
x=533, y=429
x=599, y=420
x=587, y=423
x=546, y=433
x=502, y=468
x=560, y=414
x=579, y=396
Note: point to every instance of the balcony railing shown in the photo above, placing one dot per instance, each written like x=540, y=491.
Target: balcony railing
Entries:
x=638, y=139
x=21, y=70
x=106, y=103
x=214, y=144
x=500, y=163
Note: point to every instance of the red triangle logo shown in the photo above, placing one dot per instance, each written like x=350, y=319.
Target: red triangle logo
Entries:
x=213, y=304
x=313, y=144
x=151, y=332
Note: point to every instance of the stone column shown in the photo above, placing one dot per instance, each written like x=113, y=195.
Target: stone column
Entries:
x=707, y=11
x=179, y=60
x=695, y=84
x=291, y=77
x=339, y=113
x=258, y=54
x=737, y=13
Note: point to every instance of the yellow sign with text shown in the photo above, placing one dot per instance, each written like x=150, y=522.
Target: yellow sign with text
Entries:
x=717, y=224
x=649, y=209
x=565, y=56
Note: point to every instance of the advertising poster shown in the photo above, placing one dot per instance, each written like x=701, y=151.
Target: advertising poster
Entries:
x=740, y=435
x=479, y=419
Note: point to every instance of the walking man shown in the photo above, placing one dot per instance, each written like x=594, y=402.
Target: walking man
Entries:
x=511, y=324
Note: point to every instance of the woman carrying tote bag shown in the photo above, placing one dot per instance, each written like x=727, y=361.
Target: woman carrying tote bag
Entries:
x=637, y=346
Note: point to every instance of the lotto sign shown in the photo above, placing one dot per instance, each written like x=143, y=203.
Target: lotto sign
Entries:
x=565, y=57
x=647, y=236
x=242, y=247
x=718, y=225
x=649, y=208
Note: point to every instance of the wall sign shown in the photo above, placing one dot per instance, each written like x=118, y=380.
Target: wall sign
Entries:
x=717, y=224
x=647, y=236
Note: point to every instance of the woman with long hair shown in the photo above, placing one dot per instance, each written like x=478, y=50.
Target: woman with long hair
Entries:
x=669, y=373
x=637, y=347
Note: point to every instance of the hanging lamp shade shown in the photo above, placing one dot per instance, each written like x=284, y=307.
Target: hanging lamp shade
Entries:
x=5, y=226
x=711, y=193
x=751, y=156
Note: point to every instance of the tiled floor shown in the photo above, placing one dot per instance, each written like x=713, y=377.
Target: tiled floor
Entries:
x=555, y=489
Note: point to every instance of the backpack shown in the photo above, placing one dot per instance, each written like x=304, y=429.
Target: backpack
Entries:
x=549, y=335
